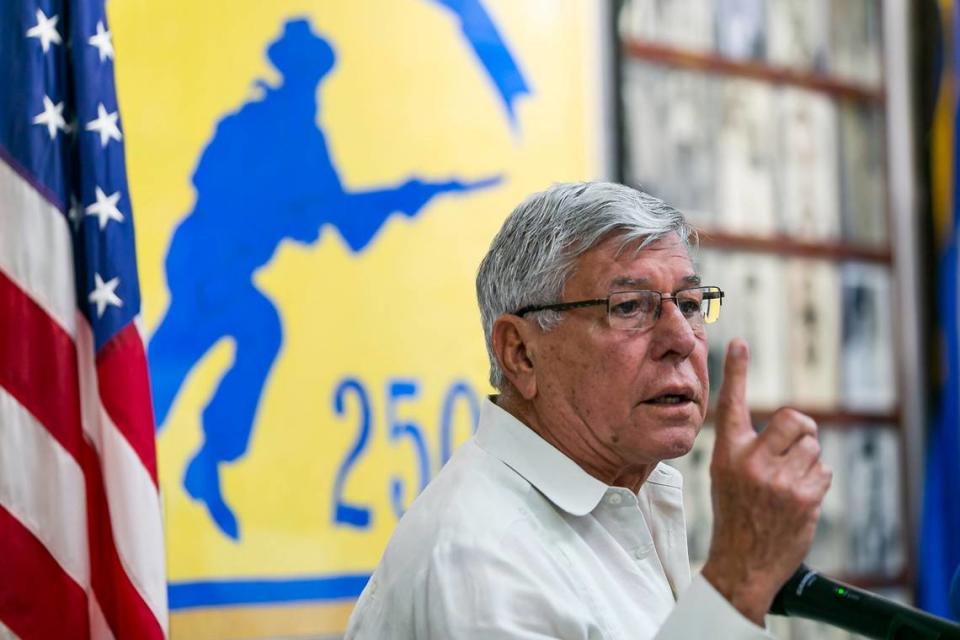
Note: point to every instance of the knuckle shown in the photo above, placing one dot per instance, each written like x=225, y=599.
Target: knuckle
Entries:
x=802, y=502
x=782, y=486
x=791, y=418
x=811, y=445
x=789, y=413
x=808, y=500
x=776, y=429
x=785, y=415
x=827, y=474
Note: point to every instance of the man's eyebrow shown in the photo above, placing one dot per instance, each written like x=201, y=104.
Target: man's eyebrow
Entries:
x=630, y=283
x=640, y=283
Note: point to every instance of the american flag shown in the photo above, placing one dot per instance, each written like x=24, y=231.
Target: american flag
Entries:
x=81, y=544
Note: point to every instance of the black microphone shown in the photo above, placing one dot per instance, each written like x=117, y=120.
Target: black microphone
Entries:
x=807, y=594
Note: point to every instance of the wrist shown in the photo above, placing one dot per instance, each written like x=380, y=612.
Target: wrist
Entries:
x=741, y=588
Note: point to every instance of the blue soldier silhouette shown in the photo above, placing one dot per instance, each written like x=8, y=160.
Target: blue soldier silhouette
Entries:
x=266, y=176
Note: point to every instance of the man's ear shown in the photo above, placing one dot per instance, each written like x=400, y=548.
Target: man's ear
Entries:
x=514, y=342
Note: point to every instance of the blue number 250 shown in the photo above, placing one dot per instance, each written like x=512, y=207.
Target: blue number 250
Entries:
x=399, y=393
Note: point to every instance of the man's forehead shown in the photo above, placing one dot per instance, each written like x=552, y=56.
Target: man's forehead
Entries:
x=621, y=246
x=633, y=264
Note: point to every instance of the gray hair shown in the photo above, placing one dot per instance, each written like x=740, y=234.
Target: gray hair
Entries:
x=535, y=251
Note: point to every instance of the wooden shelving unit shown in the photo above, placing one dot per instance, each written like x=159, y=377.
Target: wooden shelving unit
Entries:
x=843, y=92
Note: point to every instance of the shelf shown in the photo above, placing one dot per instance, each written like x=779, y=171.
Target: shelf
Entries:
x=830, y=419
x=785, y=245
x=872, y=582
x=838, y=419
x=710, y=62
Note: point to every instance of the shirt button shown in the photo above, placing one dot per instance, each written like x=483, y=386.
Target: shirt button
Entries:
x=614, y=498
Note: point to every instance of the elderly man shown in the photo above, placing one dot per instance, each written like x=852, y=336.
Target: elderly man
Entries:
x=559, y=519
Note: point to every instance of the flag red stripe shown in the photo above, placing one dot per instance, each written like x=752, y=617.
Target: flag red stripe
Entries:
x=125, y=393
x=123, y=607
x=39, y=365
x=30, y=339
x=40, y=371
x=37, y=599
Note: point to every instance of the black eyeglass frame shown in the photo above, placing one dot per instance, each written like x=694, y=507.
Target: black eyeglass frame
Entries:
x=709, y=293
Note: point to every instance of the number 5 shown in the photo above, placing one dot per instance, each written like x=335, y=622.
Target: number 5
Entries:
x=397, y=391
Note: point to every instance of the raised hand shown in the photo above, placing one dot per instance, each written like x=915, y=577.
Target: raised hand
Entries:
x=766, y=489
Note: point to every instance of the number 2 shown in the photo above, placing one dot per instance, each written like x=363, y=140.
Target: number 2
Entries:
x=344, y=513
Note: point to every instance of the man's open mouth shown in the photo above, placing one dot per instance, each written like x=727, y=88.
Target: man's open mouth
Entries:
x=669, y=398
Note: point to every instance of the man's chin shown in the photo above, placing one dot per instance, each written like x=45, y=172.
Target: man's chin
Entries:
x=679, y=440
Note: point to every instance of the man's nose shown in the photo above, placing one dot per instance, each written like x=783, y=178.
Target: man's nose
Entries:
x=672, y=333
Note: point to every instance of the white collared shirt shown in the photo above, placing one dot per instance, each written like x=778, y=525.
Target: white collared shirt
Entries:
x=514, y=540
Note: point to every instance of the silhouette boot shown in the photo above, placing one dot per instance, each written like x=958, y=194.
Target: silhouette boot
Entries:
x=202, y=482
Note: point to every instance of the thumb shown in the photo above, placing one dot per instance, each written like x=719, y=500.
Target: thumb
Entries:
x=733, y=413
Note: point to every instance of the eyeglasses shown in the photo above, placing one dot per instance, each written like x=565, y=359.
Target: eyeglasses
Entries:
x=639, y=310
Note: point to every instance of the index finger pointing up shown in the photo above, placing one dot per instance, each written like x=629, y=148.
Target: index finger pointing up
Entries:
x=733, y=412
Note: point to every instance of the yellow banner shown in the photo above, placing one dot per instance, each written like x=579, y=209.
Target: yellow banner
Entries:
x=314, y=185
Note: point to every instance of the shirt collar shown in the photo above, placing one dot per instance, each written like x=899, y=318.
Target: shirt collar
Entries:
x=551, y=472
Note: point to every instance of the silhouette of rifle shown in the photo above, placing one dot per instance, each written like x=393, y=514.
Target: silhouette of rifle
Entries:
x=420, y=192
x=362, y=214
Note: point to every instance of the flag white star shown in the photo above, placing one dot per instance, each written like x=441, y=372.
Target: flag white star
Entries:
x=46, y=30
x=75, y=213
x=104, y=293
x=105, y=208
x=106, y=125
x=52, y=117
x=102, y=42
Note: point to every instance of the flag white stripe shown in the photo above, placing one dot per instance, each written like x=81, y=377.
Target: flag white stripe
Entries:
x=6, y=634
x=135, y=518
x=35, y=248
x=53, y=510
x=134, y=501
x=99, y=629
